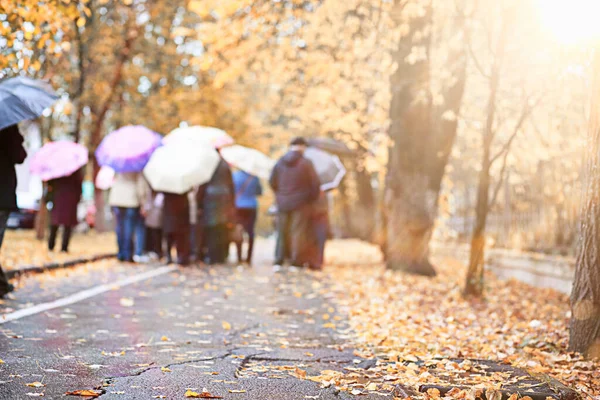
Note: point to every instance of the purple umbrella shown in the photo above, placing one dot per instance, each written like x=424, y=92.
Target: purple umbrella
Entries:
x=128, y=149
x=58, y=159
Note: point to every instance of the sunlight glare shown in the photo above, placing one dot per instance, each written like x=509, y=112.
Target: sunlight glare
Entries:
x=571, y=21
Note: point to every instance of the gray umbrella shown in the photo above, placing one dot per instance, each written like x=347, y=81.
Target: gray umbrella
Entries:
x=22, y=99
x=331, y=146
x=330, y=169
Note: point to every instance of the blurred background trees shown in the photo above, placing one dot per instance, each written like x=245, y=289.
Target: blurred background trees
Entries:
x=467, y=117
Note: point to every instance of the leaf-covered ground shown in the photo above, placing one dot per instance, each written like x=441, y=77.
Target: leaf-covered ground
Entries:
x=400, y=319
x=404, y=324
x=20, y=248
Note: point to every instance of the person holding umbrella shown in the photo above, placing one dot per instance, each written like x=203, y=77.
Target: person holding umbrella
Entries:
x=20, y=99
x=66, y=193
x=247, y=189
x=127, y=197
x=216, y=199
x=11, y=152
x=127, y=151
x=296, y=186
x=175, y=169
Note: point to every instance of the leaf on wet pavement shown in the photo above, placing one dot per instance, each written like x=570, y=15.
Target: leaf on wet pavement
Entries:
x=127, y=302
x=226, y=325
x=35, y=384
x=164, y=339
x=165, y=369
x=84, y=393
x=202, y=395
x=236, y=391
x=35, y=394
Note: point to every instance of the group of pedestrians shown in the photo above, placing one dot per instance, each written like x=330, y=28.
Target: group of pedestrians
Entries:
x=199, y=225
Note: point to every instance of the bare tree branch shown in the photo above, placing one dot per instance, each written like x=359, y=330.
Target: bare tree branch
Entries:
x=499, y=184
x=527, y=110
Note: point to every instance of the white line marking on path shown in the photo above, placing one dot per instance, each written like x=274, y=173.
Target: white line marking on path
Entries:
x=84, y=294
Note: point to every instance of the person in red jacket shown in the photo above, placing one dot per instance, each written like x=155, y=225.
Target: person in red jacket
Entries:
x=12, y=152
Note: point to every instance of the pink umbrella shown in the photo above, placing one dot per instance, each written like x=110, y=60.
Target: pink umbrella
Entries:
x=58, y=159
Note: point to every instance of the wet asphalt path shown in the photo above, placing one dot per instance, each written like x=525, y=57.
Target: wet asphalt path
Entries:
x=238, y=332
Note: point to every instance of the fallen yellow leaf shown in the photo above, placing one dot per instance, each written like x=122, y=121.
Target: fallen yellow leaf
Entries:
x=236, y=391
x=165, y=369
x=202, y=395
x=226, y=325
x=85, y=393
x=35, y=384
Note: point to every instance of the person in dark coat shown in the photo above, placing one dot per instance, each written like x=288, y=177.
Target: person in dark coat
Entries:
x=216, y=199
x=66, y=193
x=176, y=226
x=247, y=189
x=296, y=186
x=12, y=152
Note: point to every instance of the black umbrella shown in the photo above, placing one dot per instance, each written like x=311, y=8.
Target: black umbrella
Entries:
x=22, y=99
x=331, y=146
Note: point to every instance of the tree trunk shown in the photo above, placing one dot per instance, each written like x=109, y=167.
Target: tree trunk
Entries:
x=41, y=218
x=364, y=218
x=474, y=280
x=346, y=227
x=422, y=143
x=585, y=297
x=81, y=83
x=409, y=210
x=96, y=134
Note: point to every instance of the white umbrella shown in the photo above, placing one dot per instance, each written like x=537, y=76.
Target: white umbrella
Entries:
x=249, y=160
x=199, y=136
x=330, y=169
x=177, y=169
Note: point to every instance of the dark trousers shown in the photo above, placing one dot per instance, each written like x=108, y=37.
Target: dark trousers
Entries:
x=321, y=232
x=293, y=228
x=181, y=241
x=247, y=218
x=154, y=238
x=200, y=242
x=4, y=286
x=66, y=237
x=129, y=222
x=217, y=243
